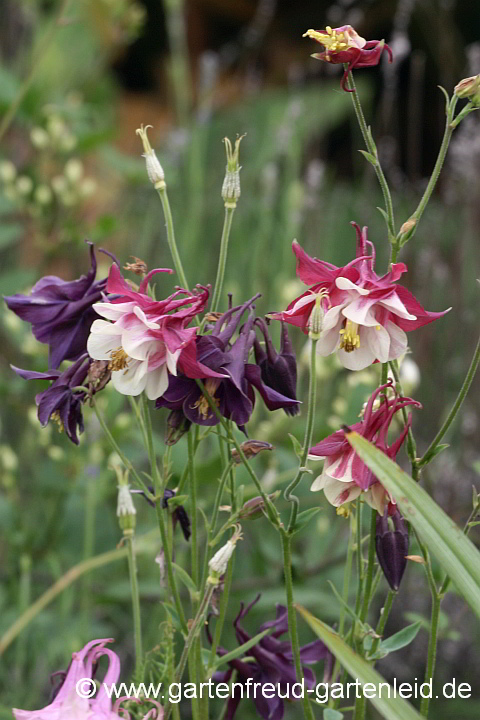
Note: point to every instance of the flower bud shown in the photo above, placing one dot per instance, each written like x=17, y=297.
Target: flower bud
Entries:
x=469, y=88
x=250, y=448
x=392, y=547
x=315, y=321
x=255, y=507
x=126, y=509
x=154, y=169
x=219, y=562
x=231, y=183
x=177, y=426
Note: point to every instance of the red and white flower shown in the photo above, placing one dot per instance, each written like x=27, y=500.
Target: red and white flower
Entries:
x=345, y=476
x=145, y=339
x=366, y=317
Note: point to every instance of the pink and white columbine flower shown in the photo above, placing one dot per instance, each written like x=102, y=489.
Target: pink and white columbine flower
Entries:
x=345, y=476
x=365, y=317
x=71, y=703
x=145, y=339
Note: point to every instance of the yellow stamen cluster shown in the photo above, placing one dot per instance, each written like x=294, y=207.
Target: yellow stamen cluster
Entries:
x=332, y=40
x=350, y=337
x=202, y=404
x=55, y=416
x=119, y=360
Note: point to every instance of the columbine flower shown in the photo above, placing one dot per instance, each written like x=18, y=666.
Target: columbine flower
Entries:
x=271, y=662
x=61, y=311
x=392, y=546
x=232, y=388
x=278, y=370
x=343, y=45
x=69, y=704
x=345, y=476
x=366, y=317
x=145, y=339
x=61, y=402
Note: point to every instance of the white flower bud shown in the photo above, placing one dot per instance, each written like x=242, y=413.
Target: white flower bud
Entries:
x=154, y=169
x=219, y=562
x=231, y=183
x=125, y=508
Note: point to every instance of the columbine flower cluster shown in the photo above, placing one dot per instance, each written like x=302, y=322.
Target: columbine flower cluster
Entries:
x=365, y=317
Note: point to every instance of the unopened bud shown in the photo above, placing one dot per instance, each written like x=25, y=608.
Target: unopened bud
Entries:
x=250, y=448
x=392, y=547
x=231, y=183
x=469, y=88
x=219, y=562
x=408, y=225
x=315, y=322
x=255, y=507
x=154, y=169
x=125, y=508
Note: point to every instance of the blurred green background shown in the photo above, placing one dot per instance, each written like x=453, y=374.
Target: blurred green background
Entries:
x=70, y=169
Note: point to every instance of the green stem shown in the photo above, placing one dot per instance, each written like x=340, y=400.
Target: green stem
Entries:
x=358, y=521
x=432, y=651
x=312, y=393
x=193, y=505
x=370, y=566
x=382, y=621
x=292, y=618
x=137, y=617
x=167, y=212
x=371, y=147
x=223, y=611
x=430, y=453
x=222, y=259
x=36, y=61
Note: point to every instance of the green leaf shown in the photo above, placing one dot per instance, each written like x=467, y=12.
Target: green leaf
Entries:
x=371, y=158
x=391, y=708
x=177, y=500
x=304, y=518
x=395, y=642
x=455, y=552
x=297, y=446
x=186, y=579
x=329, y=714
x=241, y=650
x=440, y=448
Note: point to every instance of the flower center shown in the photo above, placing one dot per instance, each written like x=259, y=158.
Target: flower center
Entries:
x=201, y=405
x=55, y=416
x=332, y=40
x=350, y=337
x=119, y=360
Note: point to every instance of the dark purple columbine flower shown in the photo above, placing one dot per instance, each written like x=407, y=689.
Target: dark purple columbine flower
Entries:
x=60, y=402
x=273, y=664
x=278, y=370
x=233, y=395
x=61, y=311
x=392, y=547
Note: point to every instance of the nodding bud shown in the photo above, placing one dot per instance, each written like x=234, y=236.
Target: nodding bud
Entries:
x=255, y=507
x=154, y=169
x=250, y=448
x=219, y=562
x=315, y=322
x=278, y=370
x=231, y=183
x=392, y=547
x=177, y=426
x=469, y=88
x=125, y=508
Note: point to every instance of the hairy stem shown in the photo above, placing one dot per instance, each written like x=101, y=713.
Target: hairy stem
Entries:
x=222, y=259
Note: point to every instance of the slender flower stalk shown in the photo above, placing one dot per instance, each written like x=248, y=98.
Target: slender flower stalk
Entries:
x=137, y=615
x=222, y=258
x=193, y=504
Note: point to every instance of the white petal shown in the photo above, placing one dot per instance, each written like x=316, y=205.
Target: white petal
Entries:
x=337, y=493
x=102, y=327
x=113, y=311
x=359, y=359
x=332, y=469
x=378, y=340
x=333, y=317
x=172, y=360
x=345, y=284
x=361, y=311
x=318, y=483
x=377, y=497
x=395, y=305
x=316, y=457
x=141, y=316
x=137, y=344
x=132, y=380
x=329, y=341
x=100, y=347
x=157, y=382
x=398, y=340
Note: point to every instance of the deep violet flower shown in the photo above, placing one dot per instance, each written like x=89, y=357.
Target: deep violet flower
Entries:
x=233, y=388
x=273, y=663
x=345, y=476
x=60, y=402
x=68, y=703
x=392, y=546
x=278, y=370
x=365, y=316
x=144, y=339
x=343, y=45
x=61, y=311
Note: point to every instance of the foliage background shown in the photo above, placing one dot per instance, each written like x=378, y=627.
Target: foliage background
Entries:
x=239, y=67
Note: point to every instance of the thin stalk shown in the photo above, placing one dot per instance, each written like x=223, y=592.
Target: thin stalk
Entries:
x=432, y=651
x=36, y=61
x=167, y=212
x=312, y=394
x=382, y=620
x=411, y=444
x=430, y=453
x=371, y=147
x=358, y=520
x=222, y=258
x=137, y=617
x=370, y=565
x=193, y=504
x=292, y=618
x=223, y=611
